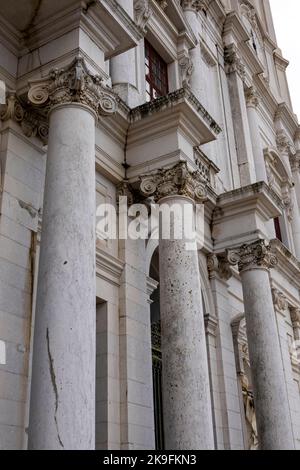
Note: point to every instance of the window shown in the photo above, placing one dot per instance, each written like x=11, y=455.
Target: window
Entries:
x=278, y=229
x=156, y=73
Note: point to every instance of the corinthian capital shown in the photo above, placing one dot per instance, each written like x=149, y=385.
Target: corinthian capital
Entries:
x=253, y=256
x=176, y=181
x=73, y=84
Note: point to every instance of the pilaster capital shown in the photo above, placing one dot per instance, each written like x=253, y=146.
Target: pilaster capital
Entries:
x=194, y=5
x=124, y=189
x=142, y=13
x=233, y=61
x=252, y=97
x=162, y=3
x=295, y=317
x=186, y=68
x=279, y=300
x=282, y=142
x=32, y=123
x=73, y=84
x=257, y=255
x=218, y=266
x=176, y=181
x=287, y=200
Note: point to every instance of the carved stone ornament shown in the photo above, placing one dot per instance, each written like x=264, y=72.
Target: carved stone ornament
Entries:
x=279, y=300
x=32, y=124
x=218, y=266
x=233, y=62
x=73, y=84
x=176, y=181
x=196, y=5
x=282, y=141
x=287, y=201
x=163, y=4
x=124, y=189
x=252, y=97
x=186, y=68
x=142, y=13
x=295, y=318
x=255, y=255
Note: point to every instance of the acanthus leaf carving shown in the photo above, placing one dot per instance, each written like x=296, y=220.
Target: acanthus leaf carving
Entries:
x=218, y=265
x=196, y=5
x=176, y=181
x=254, y=255
x=233, y=62
x=32, y=123
x=252, y=97
x=279, y=300
x=73, y=84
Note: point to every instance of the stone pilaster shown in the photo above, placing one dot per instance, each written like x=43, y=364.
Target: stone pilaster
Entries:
x=62, y=410
x=124, y=67
x=235, y=70
x=252, y=103
x=228, y=426
x=270, y=393
x=186, y=388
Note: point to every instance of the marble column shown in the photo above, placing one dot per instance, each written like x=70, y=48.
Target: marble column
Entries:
x=186, y=390
x=270, y=390
x=62, y=409
x=191, y=9
x=252, y=102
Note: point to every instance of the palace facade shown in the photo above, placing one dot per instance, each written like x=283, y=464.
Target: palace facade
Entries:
x=143, y=344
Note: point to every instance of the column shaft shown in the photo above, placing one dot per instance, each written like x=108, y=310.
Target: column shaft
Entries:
x=62, y=411
x=186, y=390
x=270, y=392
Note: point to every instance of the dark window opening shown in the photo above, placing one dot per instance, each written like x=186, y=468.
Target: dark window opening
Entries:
x=278, y=229
x=253, y=42
x=156, y=71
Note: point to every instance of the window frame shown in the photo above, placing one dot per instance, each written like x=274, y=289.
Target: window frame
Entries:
x=155, y=63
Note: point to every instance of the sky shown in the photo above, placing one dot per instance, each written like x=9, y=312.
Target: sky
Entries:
x=286, y=15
